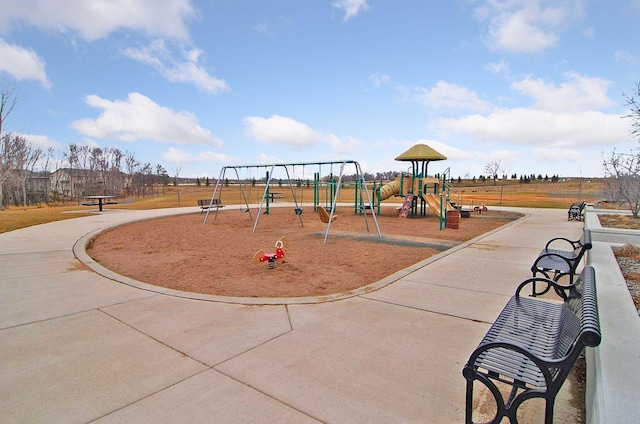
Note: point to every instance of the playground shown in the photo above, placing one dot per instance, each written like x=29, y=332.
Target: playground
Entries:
x=217, y=258
x=258, y=250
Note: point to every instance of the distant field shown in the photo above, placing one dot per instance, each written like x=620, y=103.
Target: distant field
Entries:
x=511, y=193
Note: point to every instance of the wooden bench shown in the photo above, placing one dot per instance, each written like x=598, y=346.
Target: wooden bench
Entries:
x=89, y=204
x=533, y=345
x=206, y=204
x=557, y=262
x=575, y=211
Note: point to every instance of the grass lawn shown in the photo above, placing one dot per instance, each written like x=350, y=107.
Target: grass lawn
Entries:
x=535, y=194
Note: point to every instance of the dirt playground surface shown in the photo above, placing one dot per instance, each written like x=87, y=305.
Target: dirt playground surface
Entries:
x=183, y=253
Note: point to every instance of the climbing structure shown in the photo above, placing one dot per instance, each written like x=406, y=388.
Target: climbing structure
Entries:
x=421, y=192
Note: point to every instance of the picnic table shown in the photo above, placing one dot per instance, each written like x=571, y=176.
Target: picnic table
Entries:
x=100, y=201
x=274, y=195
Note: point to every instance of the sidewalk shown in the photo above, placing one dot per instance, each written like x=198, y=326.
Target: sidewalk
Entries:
x=76, y=347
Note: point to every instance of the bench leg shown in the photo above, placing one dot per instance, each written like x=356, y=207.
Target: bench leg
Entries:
x=534, y=291
x=468, y=413
x=548, y=412
x=501, y=409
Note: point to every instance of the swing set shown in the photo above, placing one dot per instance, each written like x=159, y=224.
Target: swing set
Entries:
x=331, y=196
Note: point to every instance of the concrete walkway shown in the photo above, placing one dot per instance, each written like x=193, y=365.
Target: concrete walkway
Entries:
x=77, y=347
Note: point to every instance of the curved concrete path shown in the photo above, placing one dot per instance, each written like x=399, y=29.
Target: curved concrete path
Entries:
x=77, y=347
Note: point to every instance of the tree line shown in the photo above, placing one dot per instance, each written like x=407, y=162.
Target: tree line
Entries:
x=29, y=175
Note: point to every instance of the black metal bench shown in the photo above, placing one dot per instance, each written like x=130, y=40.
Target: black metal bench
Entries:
x=209, y=204
x=575, y=211
x=555, y=262
x=533, y=345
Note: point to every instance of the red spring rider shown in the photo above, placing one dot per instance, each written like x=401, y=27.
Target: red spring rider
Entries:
x=272, y=258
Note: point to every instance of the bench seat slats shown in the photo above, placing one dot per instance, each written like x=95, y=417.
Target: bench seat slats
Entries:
x=515, y=366
x=534, y=343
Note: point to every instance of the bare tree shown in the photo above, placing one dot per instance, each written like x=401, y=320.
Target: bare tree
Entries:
x=163, y=177
x=623, y=179
x=146, y=178
x=633, y=102
x=79, y=172
x=176, y=176
x=493, y=169
x=132, y=166
x=623, y=169
x=8, y=101
x=6, y=164
x=25, y=157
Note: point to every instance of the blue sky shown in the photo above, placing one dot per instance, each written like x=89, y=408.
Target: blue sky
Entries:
x=195, y=85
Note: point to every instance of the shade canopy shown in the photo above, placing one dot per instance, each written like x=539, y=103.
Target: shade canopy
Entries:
x=420, y=153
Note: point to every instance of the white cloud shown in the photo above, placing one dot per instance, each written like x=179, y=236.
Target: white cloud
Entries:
x=345, y=144
x=451, y=96
x=139, y=118
x=23, y=64
x=539, y=128
x=41, y=141
x=267, y=159
x=94, y=20
x=280, y=130
x=379, y=79
x=526, y=26
x=505, y=157
x=351, y=8
x=500, y=68
x=452, y=153
x=263, y=28
x=626, y=57
x=579, y=93
x=557, y=155
x=179, y=156
x=189, y=70
x=562, y=116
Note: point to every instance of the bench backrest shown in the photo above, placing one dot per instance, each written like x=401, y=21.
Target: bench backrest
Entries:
x=579, y=322
x=203, y=202
x=583, y=245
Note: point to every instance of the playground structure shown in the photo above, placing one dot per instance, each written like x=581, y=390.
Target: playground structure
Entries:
x=331, y=186
x=421, y=192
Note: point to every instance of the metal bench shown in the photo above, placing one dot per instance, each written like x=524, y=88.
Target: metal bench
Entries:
x=556, y=262
x=533, y=345
x=575, y=211
x=206, y=204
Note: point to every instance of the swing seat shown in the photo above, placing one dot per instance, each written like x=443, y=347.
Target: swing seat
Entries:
x=298, y=211
x=324, y=215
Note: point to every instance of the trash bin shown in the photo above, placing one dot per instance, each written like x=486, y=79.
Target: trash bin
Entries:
x=453, y=219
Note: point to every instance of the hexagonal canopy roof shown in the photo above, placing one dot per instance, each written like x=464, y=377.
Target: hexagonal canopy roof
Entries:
x=421, y=152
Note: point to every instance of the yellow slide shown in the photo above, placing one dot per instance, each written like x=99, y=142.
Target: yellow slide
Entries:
x=388, y=190
x=434, y=203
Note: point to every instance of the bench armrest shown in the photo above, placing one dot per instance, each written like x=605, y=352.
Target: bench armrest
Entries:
x=561, y=290
x=574, y=243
